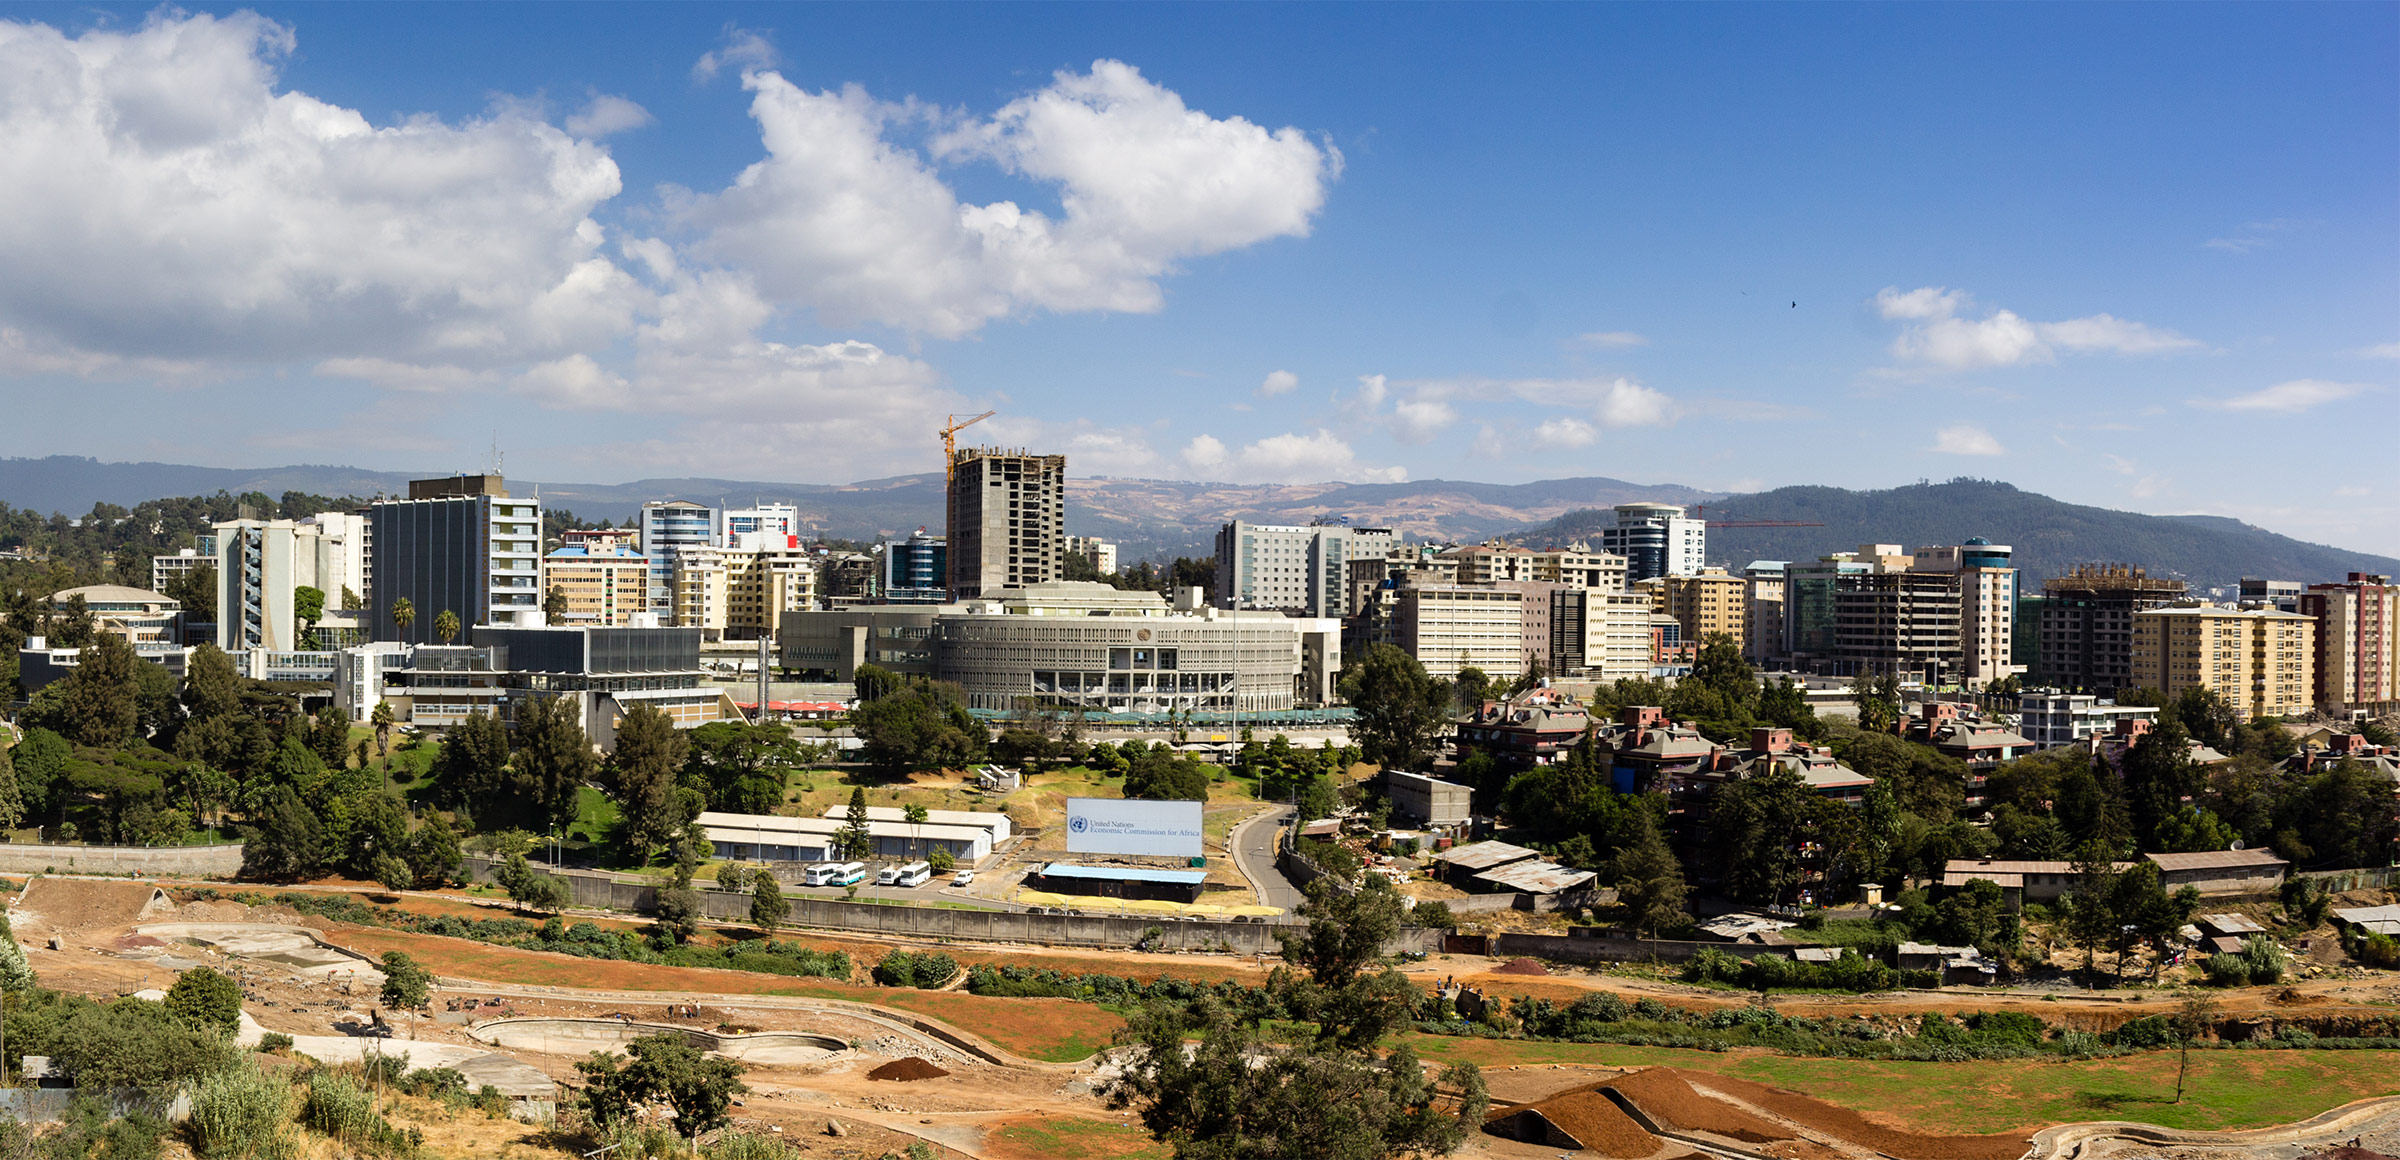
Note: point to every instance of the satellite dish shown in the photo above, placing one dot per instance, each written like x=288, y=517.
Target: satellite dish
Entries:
x=2237, y=844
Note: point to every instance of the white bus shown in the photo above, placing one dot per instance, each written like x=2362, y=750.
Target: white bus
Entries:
x=914, y=874
x=835, y=874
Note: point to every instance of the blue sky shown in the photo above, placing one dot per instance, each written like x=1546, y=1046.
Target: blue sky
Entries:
x=2140, y=256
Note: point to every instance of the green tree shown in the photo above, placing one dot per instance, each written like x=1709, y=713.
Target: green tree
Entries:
x=554, y=605
x=394, y=872
x=195, y=589
x=553, y=757
x=923, y=725
x=434, y=859
x=641, y=776
x=1766, y=817
x=664, y=1068
x=1721, y=667
x=308, y=604
x=41, y=764
x=915, y=816
x=406, y=984
x=329, y=736
x=383, y=719
x=445, y=626
x=1878, y=698
x=203, y=998
x=12, y=803
x=768, y=907
x=1402, y=711
x=404, y=614
x=852, y=839
x=1649, y=880
x=285, y=840
x=739, y=767
x=680, y=909
x=97, y=696
x=212, y=687
x=1472, y=687
x=471, y=769
x=1161, y=774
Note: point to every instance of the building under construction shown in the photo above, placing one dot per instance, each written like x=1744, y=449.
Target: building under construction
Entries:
x=1007, y=520
x=2087, y=625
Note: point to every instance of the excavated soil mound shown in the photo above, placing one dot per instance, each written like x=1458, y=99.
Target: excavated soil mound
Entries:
x=1521, y=967
x=1598, y=1124
x=85, y=904
x=1842, y=1123
x=910, y=1068
x=1664, y=1094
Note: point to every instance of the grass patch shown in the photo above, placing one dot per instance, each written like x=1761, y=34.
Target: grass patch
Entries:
x=1073, y=1138
x=2229, y=1089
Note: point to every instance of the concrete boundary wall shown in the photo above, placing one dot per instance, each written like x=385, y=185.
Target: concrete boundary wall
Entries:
x=180, y=861
x=602, y=891
x=1566, y=948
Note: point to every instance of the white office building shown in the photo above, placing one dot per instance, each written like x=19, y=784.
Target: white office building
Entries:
x=1290, y=566
x=1656, y=539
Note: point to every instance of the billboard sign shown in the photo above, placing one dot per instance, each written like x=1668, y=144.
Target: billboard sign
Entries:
x=1123, y=826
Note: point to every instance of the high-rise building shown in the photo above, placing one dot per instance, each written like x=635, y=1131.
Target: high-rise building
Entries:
x=1656, y=539
x=1007, y=515
x=1762, y=610
x=1987, y=605
x=1449, y=627
x=1598, y=634
x=1704, y=603
x=1808, y=605
x=780, y=522
x=2260, y=660
x=461, y=545
x=740, y=593
x=916, y=570
x=2358, y=643
x=667, y=527
x=2280, y=595
x=1894, y=621
x=261, y=563
x=2087, y=625
x=1293, y=567
x=604, y=585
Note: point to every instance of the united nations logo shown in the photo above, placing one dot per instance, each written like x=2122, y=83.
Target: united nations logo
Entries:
x=1078, y=825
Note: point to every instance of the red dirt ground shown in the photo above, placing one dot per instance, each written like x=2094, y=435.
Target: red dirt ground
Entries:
x=906, y=1070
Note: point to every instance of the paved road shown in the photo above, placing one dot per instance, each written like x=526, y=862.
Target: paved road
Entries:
x=1253, y=846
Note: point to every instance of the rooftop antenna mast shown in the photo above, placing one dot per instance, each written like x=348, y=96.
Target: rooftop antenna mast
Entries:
x=496, y=456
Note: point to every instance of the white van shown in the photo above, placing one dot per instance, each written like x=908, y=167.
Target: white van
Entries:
x=888, y=876
x=914, y=874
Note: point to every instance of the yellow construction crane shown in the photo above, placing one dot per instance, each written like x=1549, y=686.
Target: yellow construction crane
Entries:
x=950, y=442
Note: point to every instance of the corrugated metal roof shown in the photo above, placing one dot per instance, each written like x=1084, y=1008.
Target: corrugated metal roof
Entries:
x=2379, y=919
x=1537, y=877
x=741, y=827
x=1484, y=855
x=1123, y=874
x=2232, y=924
x=2217, y=860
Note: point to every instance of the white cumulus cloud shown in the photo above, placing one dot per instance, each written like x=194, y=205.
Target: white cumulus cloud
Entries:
x=2289, y=398
x=1315, y=457
x=1565, y=431
x=1966, y=439
x=605, y=114
x=2384, y=350
x=841, y=218
x=742, y=51
x=161, y=203
x=1279, y=383
x=1935, y=335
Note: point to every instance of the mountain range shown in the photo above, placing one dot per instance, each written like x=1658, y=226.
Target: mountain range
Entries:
x=1154, y=519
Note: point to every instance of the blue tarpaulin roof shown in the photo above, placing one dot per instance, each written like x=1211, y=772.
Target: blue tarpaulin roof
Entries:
x=1123, y=873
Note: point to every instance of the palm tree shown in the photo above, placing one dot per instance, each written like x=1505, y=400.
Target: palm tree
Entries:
x=404, y=613
x=383, y=721
x=445, y=626
x=916, y=818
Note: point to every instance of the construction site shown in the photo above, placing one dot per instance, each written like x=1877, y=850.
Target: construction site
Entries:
x=843, y=1068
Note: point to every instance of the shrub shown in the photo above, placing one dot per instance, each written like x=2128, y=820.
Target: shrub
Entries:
x=2226, y=970
x=2376, y=949
x=240, y=1114
x=274, y=1041
x=745, y=1146
x=927, y=970
x=1433, y=914
x=2265, y=959
x=1711, y=965
x=337, y=1106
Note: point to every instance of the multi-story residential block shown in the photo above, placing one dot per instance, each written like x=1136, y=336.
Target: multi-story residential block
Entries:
x=1656, y=539
x=1987, y=605
x=1101, y=553
x=741, y=593
x=2087, y=625
x=1762, y=610
x=627, y=538
x=779, y=522
x=461, y=545
x=1372, y=579
x=1293, y=567
x=1007, y=517
x=916, y=570
x=1577, y=566
x=1449, y=627
x=2358, y=643
x=166, y=568
x=2050, y=719
x=2263, y=662
x=604, y=586
x=1705, y=603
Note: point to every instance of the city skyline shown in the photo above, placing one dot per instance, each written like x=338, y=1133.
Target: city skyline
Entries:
x=2141, y=258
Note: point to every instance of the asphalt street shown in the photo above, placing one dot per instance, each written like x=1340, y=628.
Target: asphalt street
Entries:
x=1253, y=846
